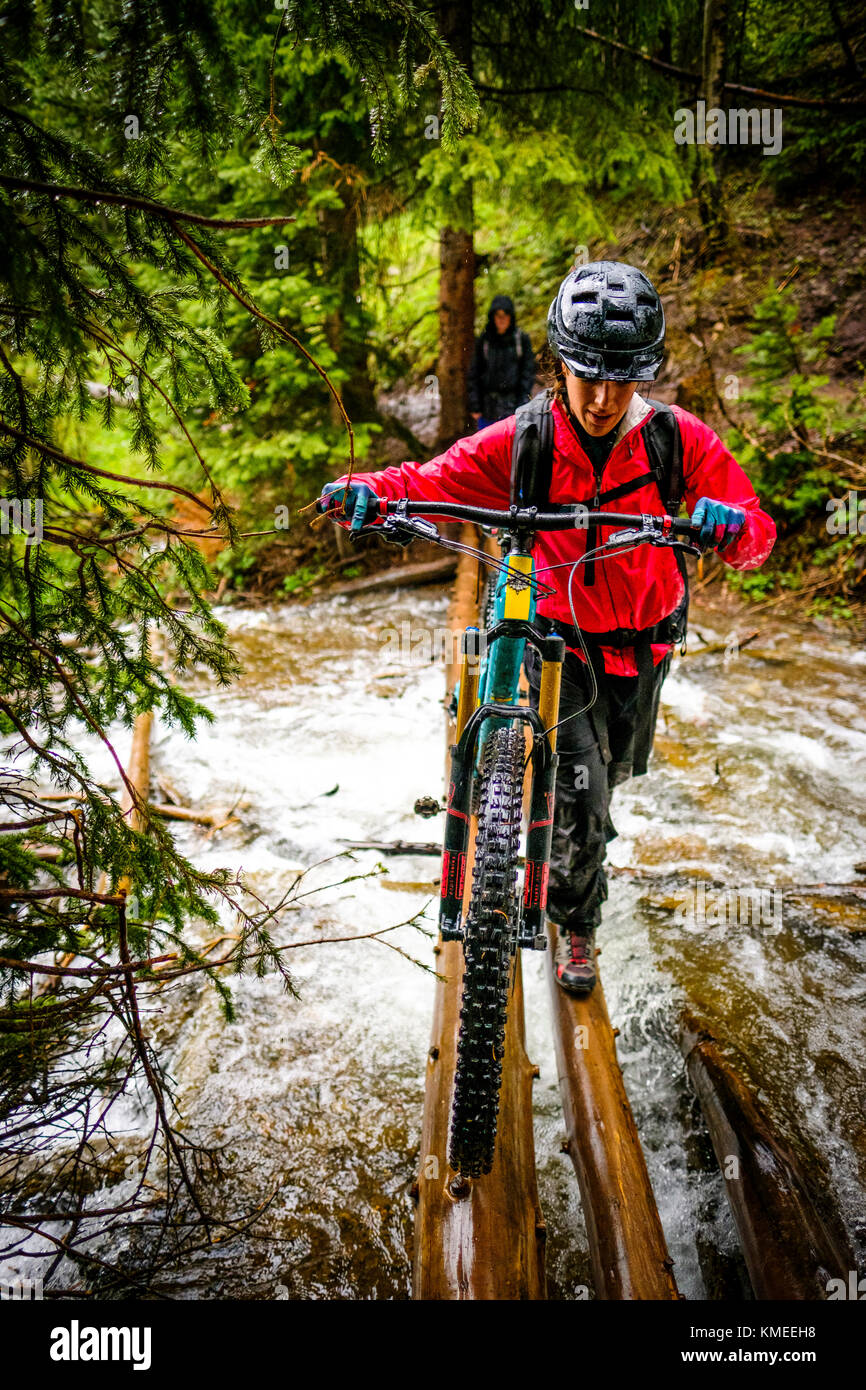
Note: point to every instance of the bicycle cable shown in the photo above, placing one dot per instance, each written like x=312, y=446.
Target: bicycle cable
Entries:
x=499, y=564
x=603, y=551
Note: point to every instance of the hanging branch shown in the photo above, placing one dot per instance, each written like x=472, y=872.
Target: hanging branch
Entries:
x=130, y=200
x=820, y=103
x=48, y=450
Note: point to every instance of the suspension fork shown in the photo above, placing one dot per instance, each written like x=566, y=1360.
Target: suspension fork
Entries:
x=456, y=841
x=539, y=834
x=457, y=814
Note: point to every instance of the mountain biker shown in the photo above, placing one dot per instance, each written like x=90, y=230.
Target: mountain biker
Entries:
x=503, y=366
x=606, y=328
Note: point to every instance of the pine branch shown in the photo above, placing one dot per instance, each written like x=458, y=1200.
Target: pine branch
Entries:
x=49, y=451
x=98, y=196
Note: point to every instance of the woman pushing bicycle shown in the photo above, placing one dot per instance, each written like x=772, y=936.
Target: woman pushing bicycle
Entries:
x=595, y=442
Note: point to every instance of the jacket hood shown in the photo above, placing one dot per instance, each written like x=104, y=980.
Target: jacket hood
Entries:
x=501, y=301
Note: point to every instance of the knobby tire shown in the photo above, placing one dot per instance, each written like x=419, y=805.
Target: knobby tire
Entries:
x=489, y=948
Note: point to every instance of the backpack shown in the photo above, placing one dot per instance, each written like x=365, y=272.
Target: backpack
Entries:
x=532, y=467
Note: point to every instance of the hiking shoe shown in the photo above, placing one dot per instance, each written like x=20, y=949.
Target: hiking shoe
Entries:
x=575, y=960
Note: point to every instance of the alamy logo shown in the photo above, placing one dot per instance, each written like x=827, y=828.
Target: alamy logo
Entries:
x=75, y=1343
x=847, y=515
x=735, y=127
x=25, y=516
x=700, y=907
x=854, y=1290
x=24, y=1289
x=415, y=645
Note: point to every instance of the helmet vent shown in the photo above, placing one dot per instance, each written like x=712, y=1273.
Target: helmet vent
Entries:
x=615, y=285
x=619, y=316
x=585, y=297
x=646, y=301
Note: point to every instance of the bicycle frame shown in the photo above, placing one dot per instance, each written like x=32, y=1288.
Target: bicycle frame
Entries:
x=488, y=696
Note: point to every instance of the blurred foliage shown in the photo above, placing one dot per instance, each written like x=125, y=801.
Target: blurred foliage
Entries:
x=804, y=448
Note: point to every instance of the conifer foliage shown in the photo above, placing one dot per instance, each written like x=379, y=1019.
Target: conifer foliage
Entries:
x=112, y=299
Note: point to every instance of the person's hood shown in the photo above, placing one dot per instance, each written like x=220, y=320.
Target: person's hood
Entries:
x=501, y=301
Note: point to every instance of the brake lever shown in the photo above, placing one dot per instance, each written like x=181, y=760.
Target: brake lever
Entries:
x=403, y=530
x=650, y=533
x=632, y=536
x=673, y=543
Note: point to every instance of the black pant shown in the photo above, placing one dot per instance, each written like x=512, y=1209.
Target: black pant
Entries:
x=596, y=753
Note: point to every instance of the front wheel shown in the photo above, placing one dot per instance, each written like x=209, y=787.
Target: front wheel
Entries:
x=490, y=945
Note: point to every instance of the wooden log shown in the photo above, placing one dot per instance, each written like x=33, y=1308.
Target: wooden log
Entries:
x=138, y=771
x=420, y=847
x=217, y=819
x=629, y=1256
x=487, y=1241
x=430, y=572
x=484, y=1240
x=791, y=1249
x=738, y=643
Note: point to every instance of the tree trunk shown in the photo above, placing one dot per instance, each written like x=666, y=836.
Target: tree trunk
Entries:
x=627, y=1247
x=456, y=330
x=710, y=200
x=456, y=268
x=485, y=1240
x=791, y=1246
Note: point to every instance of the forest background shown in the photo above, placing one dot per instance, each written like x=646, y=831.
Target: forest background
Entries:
x=246, y=247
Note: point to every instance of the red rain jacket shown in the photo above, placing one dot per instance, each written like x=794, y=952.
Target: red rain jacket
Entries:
x=634, y=590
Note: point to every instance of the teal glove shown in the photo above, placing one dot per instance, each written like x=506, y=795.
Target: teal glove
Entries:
x=356, y=500
x=719, y=522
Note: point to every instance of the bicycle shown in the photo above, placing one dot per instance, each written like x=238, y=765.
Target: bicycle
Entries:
x=488, y=763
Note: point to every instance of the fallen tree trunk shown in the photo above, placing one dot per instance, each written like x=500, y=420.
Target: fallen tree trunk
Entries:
x=430, y=572
x=790, y=1250
x=397, y=847
x=734, y=643
x=218, y=819
x=627, y=1247
x=485, y=1238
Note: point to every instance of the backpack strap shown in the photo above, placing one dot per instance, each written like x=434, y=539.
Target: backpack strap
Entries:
x=532, y=452
x=664, y=446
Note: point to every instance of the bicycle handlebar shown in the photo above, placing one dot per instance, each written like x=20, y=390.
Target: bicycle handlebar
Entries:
x=568, y=518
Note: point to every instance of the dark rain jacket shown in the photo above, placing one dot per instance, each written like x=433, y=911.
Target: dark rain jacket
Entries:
x=503, y=367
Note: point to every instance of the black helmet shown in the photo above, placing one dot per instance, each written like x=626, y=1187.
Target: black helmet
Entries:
x=607, y=323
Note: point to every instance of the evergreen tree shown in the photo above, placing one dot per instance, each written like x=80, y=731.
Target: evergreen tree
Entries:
x=117, y=288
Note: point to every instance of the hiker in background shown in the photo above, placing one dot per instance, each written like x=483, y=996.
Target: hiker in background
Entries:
x=503, y=366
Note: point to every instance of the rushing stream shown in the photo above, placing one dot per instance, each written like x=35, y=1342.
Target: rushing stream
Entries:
x=758, y=783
